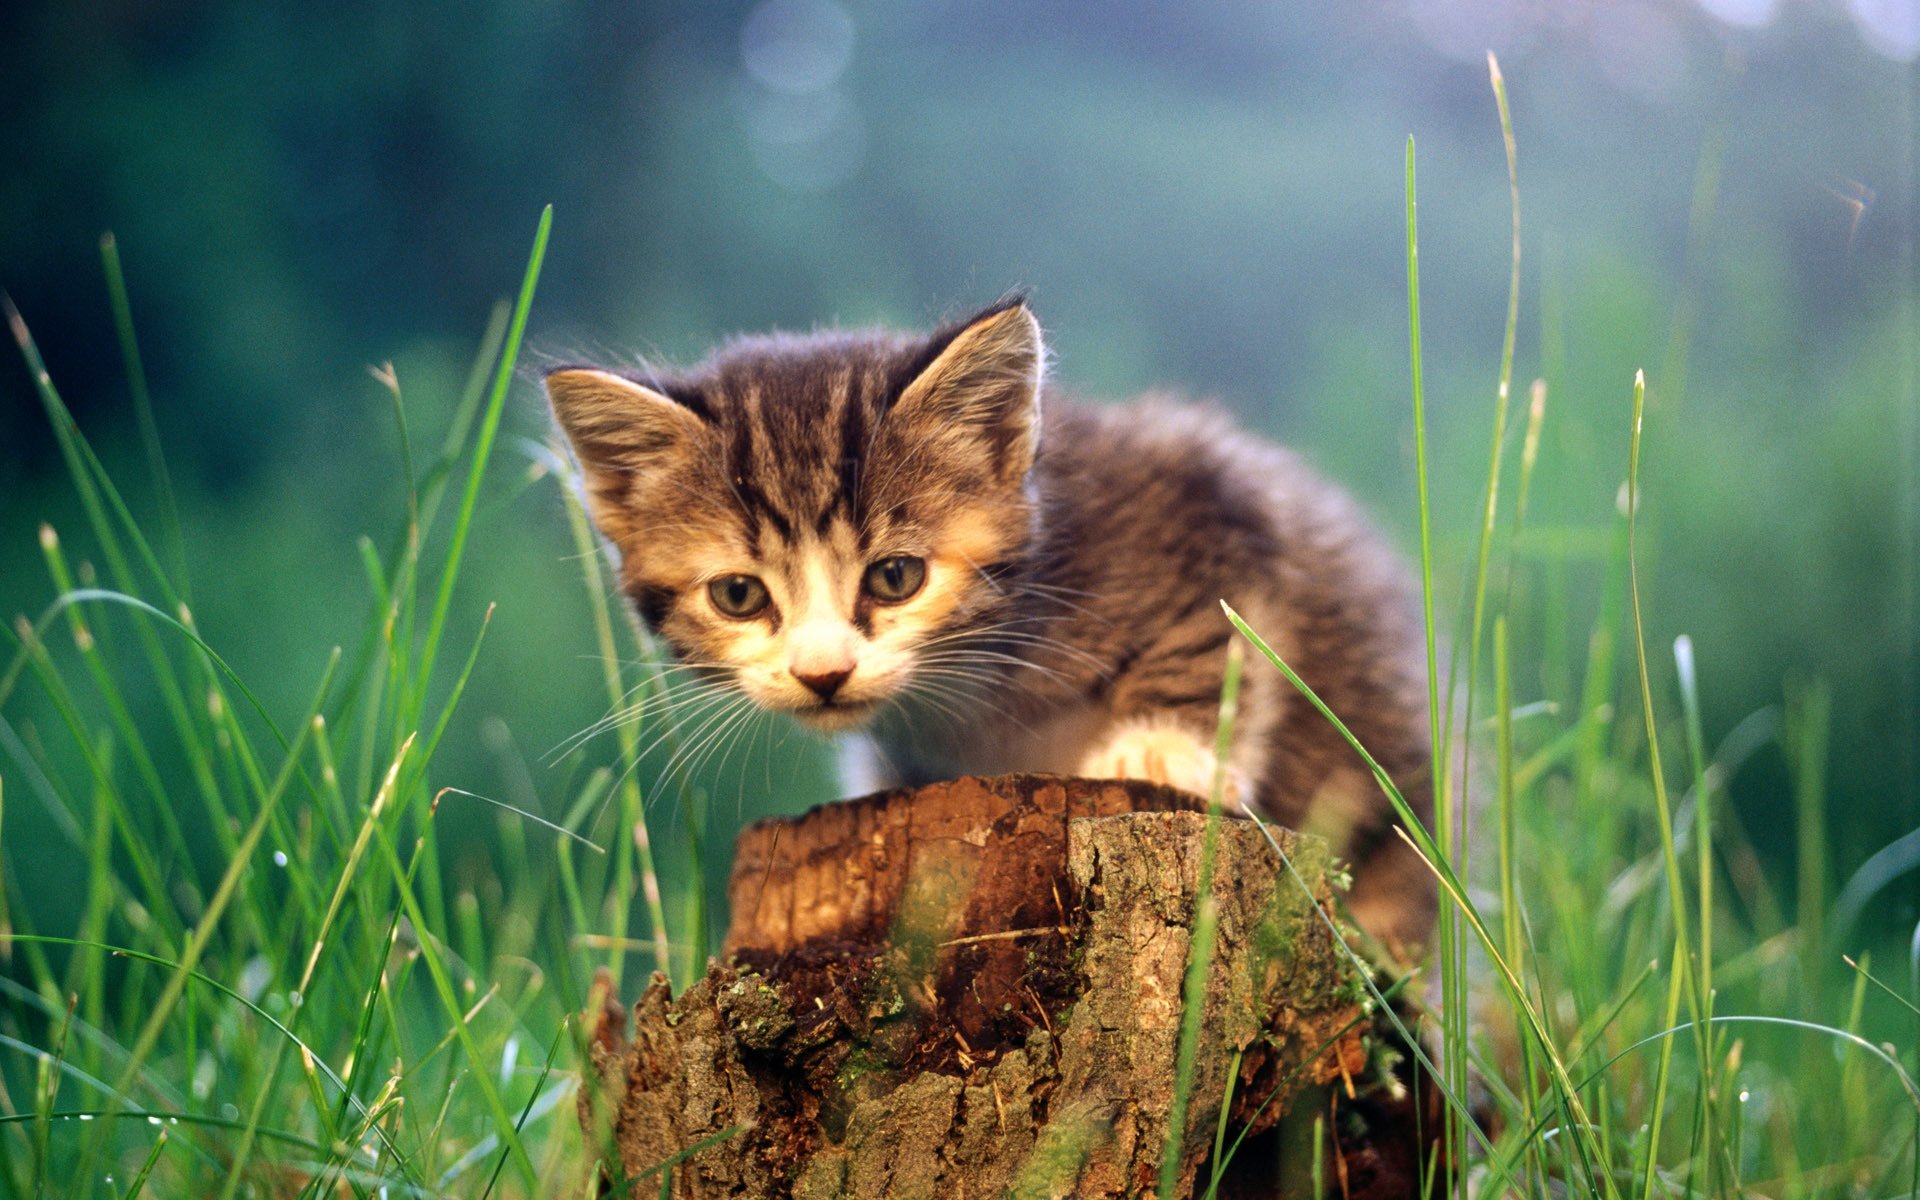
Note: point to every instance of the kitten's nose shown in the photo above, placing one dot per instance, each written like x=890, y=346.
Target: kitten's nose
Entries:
x=824, y=683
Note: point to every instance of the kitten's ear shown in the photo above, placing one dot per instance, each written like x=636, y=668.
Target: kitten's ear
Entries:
x=617, y=426
x=985, y=385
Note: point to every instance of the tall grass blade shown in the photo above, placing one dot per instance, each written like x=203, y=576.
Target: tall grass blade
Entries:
x=1452, y=986
x=1421, y=840
x=1660, y=1078
x=1205, y=927
x=1663, y=808
x=143, y=412
x=483, y=446
x=139, y=1183
x=633, y=814
x=149, y=1035
x=1808, y=711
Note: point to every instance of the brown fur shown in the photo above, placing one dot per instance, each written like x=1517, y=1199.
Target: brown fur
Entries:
x=1076, y=558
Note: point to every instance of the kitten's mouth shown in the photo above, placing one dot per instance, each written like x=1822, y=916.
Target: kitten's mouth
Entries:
x=836, y=716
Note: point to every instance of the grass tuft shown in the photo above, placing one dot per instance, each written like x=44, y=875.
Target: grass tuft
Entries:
x=312, y=1001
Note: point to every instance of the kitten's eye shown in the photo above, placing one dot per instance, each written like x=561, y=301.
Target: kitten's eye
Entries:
x=892, y=580
x=738, y=596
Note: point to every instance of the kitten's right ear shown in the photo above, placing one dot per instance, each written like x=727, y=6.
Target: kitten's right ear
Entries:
x=983, y=387
x=618, y=426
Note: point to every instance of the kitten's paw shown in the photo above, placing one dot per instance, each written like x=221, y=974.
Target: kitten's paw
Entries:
x=1161, y=754
x=863, y=769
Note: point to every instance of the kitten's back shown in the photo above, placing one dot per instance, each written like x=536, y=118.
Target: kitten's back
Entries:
x=1159, y=510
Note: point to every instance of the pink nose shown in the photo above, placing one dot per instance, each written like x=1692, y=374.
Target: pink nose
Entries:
x=824, y=684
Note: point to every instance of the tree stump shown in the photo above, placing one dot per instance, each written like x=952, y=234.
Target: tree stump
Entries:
x=974, y=989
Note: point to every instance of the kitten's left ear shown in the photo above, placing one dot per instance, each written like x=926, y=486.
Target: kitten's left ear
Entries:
x=985, y=385
x=618, y=426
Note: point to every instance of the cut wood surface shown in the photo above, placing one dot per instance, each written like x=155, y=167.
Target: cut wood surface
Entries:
x=975, y=989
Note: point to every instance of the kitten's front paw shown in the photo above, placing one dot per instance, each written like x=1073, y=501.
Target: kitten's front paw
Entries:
x=1162, y=754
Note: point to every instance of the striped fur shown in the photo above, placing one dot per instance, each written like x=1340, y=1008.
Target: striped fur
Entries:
x=1074, y=559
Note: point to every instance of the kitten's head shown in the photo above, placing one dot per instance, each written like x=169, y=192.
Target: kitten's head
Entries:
x=805, y=515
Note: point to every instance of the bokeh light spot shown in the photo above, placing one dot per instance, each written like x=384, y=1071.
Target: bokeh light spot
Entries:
x=797, y=46
x=1890, y=27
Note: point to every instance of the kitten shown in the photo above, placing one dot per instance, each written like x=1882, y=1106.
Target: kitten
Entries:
x=895, y=534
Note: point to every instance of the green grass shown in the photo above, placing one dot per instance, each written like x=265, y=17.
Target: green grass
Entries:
x=270, y=975
x=1577, y=975
x=276, y=985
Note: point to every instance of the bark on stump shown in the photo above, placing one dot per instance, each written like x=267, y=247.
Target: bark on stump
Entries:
x=973, y=989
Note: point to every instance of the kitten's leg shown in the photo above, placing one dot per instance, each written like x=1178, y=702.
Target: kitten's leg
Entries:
x=1394, y=896
x=1165, y=751
x=863, y=767
x=1166, y=716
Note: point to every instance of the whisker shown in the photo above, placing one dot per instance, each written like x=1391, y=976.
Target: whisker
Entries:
x=678, y=770
x=1001, y=581
x=1093, y=664
x=954, y=693
x=676, y=729
x=720, y=712
x=930, y=697
x=661, y=703
x=995, y=656
x=724, y=736
x=750, y=726
x=989, y=627
x=937, y=694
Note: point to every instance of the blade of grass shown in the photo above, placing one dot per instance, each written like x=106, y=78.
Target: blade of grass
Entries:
x=151, y=879
x=553, y=1051
x=95, y=1116
x=1505, y=804
x=1490, y=491
x=1218, y=1158
x=443, y=986
x=1452, y=987
x=46, y=1095
x=1504, y=801
x=1809, y=705
x=408, y=712
x=1716, y=1165
x=143, y=411
x=633, y=811
x=523, y=814
x=352, y=866
x=24, y=999
x=483, y=447
x=1421, y=840
x=1596, y=1026
x=121, y=715
x=1661, y=1073
x=88, y=968
x=1379, y=998
x=90, y=478
x=433, y=485
x=1702, y=802
x=673, y=1160
x=98, y=494
x=139, y=1183
x=1224, y=1160
x=1676, y=890
x=1853, y=1040
x=101, y=595
x=163, y=1006
x=107, y=512
x=1205, y=926
x=1871, y=978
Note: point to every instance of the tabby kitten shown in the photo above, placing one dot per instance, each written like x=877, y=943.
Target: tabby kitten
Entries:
x=894, y=535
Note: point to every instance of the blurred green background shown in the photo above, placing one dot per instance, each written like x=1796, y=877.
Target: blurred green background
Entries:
x=1206, y=197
